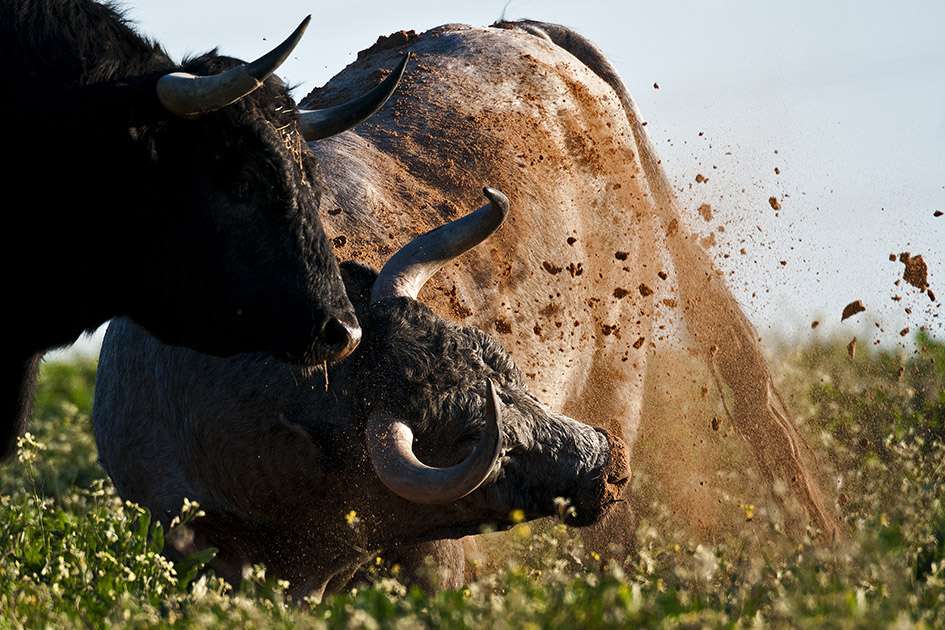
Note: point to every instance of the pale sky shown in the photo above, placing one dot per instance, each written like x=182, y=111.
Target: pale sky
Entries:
x=847, y=99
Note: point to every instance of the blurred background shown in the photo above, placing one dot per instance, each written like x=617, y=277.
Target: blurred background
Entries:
x=837, y=110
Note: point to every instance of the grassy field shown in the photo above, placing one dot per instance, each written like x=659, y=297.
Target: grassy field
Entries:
x=74, y=555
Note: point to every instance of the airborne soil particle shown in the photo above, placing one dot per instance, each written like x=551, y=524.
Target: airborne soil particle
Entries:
x=775, y=204
x=645, y=290
x=706, y=211
x=639, y=343
x=852, y=309
x=937, y=213
x=916, y=271
x=551, y=268
x=620, y=293
x=621, y=255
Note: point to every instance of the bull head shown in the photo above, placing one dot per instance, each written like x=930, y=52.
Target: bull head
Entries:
x=390, y=427
x=389, y=439
x=189, y=95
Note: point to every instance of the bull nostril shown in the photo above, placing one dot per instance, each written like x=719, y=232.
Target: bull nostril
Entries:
x=339, y=337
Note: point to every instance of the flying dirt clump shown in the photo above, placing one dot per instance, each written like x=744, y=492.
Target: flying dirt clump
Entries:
x=916, y=272
x=852, y=309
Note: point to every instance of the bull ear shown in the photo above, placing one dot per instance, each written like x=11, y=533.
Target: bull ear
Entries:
x=189, y=95
x=318, y=124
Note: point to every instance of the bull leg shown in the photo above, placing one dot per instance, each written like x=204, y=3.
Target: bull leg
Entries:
x=19, y=383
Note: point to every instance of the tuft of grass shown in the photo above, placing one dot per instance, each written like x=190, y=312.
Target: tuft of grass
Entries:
x=72, y=554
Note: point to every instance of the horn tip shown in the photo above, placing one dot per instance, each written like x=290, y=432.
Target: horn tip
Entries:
x=498, y=199
x=494, y=397
x=496, y=416
x=401, y=67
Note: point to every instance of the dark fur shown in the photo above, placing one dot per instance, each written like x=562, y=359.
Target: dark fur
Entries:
x=205, y=231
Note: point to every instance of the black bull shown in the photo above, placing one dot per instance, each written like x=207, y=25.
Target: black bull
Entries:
x=178, y=195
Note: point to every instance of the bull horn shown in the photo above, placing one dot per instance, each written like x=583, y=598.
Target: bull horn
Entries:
x=409, y=269
x=390, y=446
x=189, y=95
x=318, y=124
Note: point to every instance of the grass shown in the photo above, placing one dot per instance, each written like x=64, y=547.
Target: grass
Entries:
x=72, y=554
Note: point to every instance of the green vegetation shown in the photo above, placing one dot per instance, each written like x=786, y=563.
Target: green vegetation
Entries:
x=72, y=554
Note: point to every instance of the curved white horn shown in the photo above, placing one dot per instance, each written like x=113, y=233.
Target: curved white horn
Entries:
x=189, y=95
x=390, y=446
x=318, y=124
x=409, y=269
